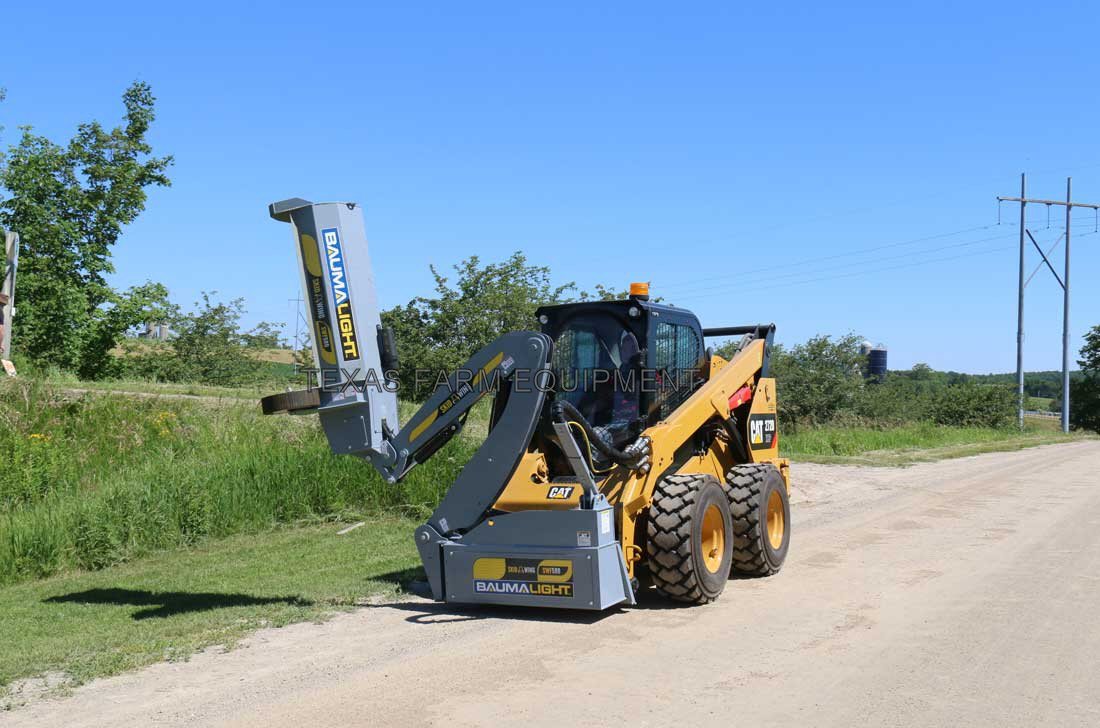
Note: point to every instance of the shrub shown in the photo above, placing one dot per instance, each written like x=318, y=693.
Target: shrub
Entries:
x=974, y=405
x=1084, y=403
x=818, y=379
x=897, y=399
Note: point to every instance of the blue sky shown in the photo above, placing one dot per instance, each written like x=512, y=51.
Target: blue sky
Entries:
x=746, y=161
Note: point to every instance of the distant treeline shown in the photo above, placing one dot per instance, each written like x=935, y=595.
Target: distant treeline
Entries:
x=1036, y=384
x=822, y=382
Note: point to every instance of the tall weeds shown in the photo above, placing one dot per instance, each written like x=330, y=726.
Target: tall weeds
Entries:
x=90, y=480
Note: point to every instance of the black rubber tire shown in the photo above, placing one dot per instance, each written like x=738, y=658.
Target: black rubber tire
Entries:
x=302, y=399
x=674, y=538
x=749, y=488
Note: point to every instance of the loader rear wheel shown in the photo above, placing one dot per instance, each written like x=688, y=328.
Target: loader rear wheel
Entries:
x=689, y=538
x=761, y=514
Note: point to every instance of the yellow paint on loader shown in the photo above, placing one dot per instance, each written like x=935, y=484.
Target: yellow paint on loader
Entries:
x=631, y=492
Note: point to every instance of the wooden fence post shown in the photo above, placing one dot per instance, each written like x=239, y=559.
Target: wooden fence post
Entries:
x=11, y=263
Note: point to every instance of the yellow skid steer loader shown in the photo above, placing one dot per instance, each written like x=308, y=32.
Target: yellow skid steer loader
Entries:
x=620, y=450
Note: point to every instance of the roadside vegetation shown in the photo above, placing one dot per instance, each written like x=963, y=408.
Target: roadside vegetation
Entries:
x=824, y=382
x=912, y=443
x=93, y=480
x=831, y=411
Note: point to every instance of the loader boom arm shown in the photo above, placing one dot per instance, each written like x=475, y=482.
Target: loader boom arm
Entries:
x=511, y=364
x=356, y=399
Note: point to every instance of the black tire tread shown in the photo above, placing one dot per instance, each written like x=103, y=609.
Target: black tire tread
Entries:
x=668, y=538
x=745, y=483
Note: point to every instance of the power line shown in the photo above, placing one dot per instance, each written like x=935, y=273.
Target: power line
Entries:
x=806, y=261
x=725, y=287
x=834, y=256
x=853, y=212
x=914, y=264
x=1053, y=247
x=853, y=274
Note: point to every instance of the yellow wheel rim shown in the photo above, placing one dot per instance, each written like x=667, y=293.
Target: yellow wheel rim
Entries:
x=713, y=538
x=777, y=524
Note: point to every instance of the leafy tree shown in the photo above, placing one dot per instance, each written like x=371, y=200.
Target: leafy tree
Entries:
x=1084, y=403
x=108, y=325
x=206, y=346
x=264, y=335
x=896, y=399
x=818, y=379
x=603, y=293
x=70, y=204
x=208, y=343
x=1037, y=384
x=958, y=378
x=974, y=405
x=439, y=333
x=921, y=372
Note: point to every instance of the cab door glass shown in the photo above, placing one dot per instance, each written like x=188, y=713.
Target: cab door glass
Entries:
x=595, y=366
x=677, y=355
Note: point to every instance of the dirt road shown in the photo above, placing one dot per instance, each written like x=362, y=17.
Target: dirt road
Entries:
x=958, y=593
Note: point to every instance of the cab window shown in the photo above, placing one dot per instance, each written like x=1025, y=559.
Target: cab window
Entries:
x=595, y=367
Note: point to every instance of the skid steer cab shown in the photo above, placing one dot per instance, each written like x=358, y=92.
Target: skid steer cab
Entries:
x=621, y=452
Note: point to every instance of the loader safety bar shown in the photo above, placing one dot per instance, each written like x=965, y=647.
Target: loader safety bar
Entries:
x=758, y=331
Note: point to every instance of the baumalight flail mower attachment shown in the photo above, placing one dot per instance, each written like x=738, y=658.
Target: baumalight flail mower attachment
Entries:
x=620, y=451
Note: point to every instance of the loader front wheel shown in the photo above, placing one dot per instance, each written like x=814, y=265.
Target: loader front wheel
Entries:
x=761, y=514
x=689, y=538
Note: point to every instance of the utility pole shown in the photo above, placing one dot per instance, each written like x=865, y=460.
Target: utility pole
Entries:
x=1023, y=199
x=1065, y=315
x=1020, y=396
x=297, y=317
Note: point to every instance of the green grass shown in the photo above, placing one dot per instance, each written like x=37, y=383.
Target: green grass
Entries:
x=251, y=393
x=1042, y=404
x=905, y=444
x=94, y=480
x=80, y=626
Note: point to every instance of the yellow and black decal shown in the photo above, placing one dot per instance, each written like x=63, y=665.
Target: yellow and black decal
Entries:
x=345, y=320
x=524, y=577
x=461, y=391
x=763, y=432
x=318, y=301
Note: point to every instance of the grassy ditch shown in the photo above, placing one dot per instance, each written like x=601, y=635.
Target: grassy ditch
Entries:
x=909, y=443
x=78, y=626
x=92, y=480
x=250, y=393
x=96, y=479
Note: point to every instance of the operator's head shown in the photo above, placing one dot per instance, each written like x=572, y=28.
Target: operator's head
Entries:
x=4, y=298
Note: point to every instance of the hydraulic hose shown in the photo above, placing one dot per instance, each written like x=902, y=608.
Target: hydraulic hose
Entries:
x=563, y=411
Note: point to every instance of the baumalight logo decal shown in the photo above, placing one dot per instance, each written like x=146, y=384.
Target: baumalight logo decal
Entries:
x=524, y=577
x=315, y=290
x=349, y=342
